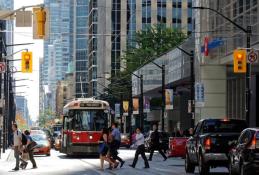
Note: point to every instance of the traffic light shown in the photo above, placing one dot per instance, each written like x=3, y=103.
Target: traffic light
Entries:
x=41, y=20
x=239, y=61
x=26, y=62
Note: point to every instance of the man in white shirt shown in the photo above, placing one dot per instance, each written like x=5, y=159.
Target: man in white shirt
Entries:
x=140, y=149
x=17, y=144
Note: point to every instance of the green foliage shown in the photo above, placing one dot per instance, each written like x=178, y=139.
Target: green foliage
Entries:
x=151, y=43
x=45, y=117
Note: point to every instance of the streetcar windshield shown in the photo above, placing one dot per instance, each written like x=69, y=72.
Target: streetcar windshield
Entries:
x=88, y=120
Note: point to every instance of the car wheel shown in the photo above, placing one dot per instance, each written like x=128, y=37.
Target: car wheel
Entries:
x=189, y=167
x=48, y=154
x=203, y=167
x=244, y=170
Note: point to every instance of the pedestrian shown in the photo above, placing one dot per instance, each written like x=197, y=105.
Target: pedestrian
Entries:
x=115, y=144
x=155, y=144
x=104, y=148
x=17, y=145
x=29, y=147
x=140, y=149
x=191, y=131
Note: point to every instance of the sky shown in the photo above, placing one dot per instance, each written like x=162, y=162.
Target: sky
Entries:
x=24, y=35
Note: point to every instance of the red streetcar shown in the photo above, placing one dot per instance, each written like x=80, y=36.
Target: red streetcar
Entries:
x=82, y=123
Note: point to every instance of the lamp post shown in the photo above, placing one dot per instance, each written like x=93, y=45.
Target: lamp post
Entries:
x=191, y=55
x=163, y=94
x=248, y=32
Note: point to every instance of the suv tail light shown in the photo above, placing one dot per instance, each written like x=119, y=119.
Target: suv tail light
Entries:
x=207, y=143
x=255, y=141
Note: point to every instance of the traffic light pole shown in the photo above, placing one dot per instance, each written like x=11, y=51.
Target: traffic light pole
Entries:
x=248, y=77
x=248, y=32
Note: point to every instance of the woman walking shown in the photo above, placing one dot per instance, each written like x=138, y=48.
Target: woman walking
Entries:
x=140, y=149
x=104, y=149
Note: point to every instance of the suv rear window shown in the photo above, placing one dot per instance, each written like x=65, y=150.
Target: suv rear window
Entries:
x=223, y=126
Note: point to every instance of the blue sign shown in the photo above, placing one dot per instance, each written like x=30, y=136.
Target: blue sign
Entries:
x=117, y=110
x=199, y=94
x=213, y=44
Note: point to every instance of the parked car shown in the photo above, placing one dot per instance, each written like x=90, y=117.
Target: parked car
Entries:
x=244, y=157
x=177, y=146
x=209, y=146
x=164, y=140
x=43, y=145
x=125, y=140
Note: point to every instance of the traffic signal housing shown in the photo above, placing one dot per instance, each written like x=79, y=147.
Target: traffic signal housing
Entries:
x=26, y=62
x=239, y=61
x=41, y=20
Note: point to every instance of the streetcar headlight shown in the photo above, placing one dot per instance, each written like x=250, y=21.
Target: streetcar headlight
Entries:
x=90, y=137
x=78, y=138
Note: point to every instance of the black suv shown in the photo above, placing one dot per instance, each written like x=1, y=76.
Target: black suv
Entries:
x=209, y=146
x=244, y=157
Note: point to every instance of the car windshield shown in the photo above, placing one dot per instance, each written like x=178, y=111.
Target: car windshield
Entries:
x=39, y=137
x=223, y=126
x=90, y=120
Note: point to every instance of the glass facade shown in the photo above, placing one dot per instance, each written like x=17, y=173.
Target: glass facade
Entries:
x=116, y=38
x=81, y=44
x=146, y=14
x=177, y=14
x=161, y=12
x=131, y=25
x=93, y=19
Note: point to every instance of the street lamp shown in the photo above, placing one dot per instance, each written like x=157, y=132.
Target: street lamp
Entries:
x=248, y=32
x=191, y=55
x=163, y=93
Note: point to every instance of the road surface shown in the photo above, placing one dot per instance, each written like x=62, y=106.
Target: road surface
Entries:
x=60, y=164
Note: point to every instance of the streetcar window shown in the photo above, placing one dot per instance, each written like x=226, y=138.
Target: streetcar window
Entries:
x=89, y=120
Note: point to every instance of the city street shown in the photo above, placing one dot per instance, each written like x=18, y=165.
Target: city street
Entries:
x=59, y=164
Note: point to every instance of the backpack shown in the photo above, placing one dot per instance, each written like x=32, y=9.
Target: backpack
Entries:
x=24, y=138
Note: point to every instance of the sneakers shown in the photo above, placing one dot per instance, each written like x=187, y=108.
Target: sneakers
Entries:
x=132, y=166
x=165, y=159
x=146, y=167
x=15, y=169
x=34, y=167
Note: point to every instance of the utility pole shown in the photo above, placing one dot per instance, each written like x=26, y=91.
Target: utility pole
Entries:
x=192, y=89
x=141, y=106
x=248, y=77
x=163, y=97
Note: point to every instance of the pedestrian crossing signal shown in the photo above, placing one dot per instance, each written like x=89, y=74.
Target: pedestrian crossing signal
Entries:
x=239, y=61
x=26, y=62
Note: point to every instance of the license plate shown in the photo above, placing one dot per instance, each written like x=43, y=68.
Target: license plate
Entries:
x=35, y=150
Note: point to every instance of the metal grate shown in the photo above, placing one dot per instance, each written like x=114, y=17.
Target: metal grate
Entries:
x=236, y=98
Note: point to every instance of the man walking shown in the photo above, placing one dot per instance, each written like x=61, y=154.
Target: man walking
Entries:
x=17, y=144
x=140, y=149
x=155, y=144
x=116, y=141
x=29, y=147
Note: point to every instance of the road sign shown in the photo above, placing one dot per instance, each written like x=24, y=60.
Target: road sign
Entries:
x=252, y=57
x=199, y=95
x=2, y=67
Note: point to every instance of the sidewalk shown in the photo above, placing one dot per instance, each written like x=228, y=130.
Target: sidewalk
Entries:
x=7, y=156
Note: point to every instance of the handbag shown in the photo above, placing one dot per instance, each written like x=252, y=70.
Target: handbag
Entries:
x=31, y=146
